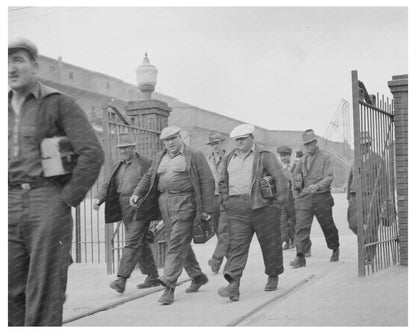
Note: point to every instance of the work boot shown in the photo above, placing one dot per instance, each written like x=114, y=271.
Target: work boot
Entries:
x=285, y=246
x=236, y=297
x=197, y=282
x=335, y=255
x=214, y=264
x=298, y=262
x=168, y=296
x=119, y=285
x=271, y=283
x=150, y=281
x=232, y=291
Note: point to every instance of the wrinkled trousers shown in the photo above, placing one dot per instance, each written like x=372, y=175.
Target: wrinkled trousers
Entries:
x=136, y=250
x=40, y=236
x=319, y=205
x=178, y=213
x=288, y=220
x=221, y=227
x=243, y=222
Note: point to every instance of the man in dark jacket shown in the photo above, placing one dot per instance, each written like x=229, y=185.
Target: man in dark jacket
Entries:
x=253, y=191
x=312, y=191
x=182, y=183
x=40, y=221
x=116, y=194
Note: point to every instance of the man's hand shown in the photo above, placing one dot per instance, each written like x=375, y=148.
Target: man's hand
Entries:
x=133, y=200
x=205, y=217
x=96, y=204
x=312, y=189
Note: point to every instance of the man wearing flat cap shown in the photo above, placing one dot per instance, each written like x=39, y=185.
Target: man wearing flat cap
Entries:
x=253, y=191
x=374, y=190
x=216, y=164
x=312, y=191
x=288, y=217
x=39, y=200
x=182, y=182
x=116, y=193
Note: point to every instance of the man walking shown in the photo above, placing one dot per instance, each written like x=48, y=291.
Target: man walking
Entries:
x=312, y=191
x=216, y=164
x=182, y=186
x=288, y=217
x=116, y=194
x=40, y=199
x=253, y=191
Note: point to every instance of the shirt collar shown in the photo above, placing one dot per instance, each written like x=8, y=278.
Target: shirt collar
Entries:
x=237, y=152
x=35, y=91
x=313, y=152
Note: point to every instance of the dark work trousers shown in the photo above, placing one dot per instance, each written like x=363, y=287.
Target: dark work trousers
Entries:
x=178, y=213
x=288, y=220
x=136, y=250
x=318, y=205
x=221, y=225
x=40, y=236
x=243, y=222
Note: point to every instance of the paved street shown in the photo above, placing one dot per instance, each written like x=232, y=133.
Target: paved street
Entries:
x=320, y=294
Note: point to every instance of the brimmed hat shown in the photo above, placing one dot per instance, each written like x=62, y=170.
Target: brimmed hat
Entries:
x=242, y=131
x=125, y=140
x=308, y=136
x=169, y=132
x=365, y=137
x=215, y=137
x=284, y=150
x=25, y=44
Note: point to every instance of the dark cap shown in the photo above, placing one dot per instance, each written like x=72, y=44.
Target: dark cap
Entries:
x=284, y=150
x=299, y=153
x=25, y=44
x=214, y=137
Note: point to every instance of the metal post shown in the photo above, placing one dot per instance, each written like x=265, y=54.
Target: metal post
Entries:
x=108, y=231
x=357, y=171
x=78, y=234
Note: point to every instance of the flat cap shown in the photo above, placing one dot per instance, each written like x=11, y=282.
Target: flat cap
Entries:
x=169, y=132
x=308, y=136
x=25, y=44
x=125, y=140
x=215, y=137
x=284, y=150
x=242, y=131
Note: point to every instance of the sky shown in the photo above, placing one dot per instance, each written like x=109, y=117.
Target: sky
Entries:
x=280, y=68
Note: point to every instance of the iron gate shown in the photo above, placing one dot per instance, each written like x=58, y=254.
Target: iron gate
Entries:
x=373, y=173
x=95, y=241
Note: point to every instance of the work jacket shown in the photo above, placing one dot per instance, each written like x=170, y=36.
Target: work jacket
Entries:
x=201, y=178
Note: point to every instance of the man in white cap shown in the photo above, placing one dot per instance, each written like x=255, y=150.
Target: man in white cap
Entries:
x=183, y=187
x=374, y=190
x=40, y=221
x=216, y=164
x=116, y=193
x=253, y=191
x=312, y=191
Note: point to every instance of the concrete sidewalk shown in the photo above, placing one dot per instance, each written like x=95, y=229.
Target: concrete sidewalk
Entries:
x=320, y=294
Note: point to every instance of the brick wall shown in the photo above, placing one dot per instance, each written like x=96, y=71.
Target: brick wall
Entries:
x=399, y=88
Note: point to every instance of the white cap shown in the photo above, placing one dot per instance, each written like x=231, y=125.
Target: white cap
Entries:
x=169, y=132
x=242, y=131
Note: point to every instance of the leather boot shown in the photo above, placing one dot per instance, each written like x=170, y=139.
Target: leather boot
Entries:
x=335, y=255
x=299, y=261
x=150, y=281
x=119, y=285
x=232, y=291
x=271, y=283
x=168, y=296
x=196, y=283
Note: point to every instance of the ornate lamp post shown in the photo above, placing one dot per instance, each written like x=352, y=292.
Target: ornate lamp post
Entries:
x=146, y=75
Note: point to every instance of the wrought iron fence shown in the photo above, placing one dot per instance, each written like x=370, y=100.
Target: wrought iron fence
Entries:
x=374, y=175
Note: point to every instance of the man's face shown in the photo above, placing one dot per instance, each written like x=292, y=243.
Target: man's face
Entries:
x=309, y=147
x=22, y=70
x=173, y=144
x=244, y=144
x=365, y=147
x=216, y=147
x=285, y=158
x=126, y=153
